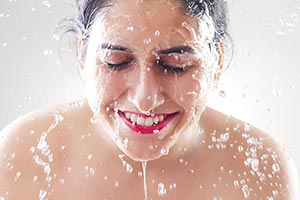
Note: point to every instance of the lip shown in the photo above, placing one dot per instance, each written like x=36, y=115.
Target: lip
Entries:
x=147, y=129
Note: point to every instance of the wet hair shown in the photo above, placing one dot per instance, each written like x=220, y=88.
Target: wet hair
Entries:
x=88, y=9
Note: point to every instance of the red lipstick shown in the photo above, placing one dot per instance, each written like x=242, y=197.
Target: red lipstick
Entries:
x=147, y=129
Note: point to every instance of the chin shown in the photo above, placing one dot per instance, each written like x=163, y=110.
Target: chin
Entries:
x=140, y=151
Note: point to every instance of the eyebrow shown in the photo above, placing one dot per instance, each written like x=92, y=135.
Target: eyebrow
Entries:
x=178, y=49
x=115, y=47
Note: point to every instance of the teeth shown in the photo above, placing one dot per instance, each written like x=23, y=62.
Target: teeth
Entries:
x=161, y=118
x=128, y=115
x=149, y=121
x=144, y=121
x=141, y=121
x=155, y=120
x=133, y=117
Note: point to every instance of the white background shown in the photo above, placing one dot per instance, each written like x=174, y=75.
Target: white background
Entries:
x=262, y=85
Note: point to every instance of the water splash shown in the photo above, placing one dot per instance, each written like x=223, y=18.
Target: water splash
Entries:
x=161, y=190
x=144, y=166
x=126, y=165
x=246, y=191
x=42, y=194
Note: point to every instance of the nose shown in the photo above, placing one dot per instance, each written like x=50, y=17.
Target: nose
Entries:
x=146, y=92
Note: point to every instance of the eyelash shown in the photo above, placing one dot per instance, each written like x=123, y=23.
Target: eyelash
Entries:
x=171, y=68
x=118, y=66
x=121, y=66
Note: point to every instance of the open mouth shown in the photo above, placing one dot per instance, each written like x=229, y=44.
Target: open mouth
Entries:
x=144, y=124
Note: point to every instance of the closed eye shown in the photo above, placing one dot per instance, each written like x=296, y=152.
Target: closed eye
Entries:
x=118, y=66
x=170, y=68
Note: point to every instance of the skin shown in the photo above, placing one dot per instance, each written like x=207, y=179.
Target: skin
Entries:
x=77, y=155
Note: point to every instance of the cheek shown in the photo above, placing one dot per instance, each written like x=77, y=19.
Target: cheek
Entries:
x=103, y=86
x=192, y=88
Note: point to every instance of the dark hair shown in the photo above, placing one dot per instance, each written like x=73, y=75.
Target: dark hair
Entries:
x=88, y=9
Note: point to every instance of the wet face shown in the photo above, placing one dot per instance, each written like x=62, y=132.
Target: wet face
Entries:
x=147, y=75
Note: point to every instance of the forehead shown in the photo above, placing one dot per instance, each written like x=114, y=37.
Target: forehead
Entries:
x=142, y=22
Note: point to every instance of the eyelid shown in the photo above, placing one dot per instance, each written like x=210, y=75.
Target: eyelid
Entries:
x=178, y=57
x=167, y=61
x=115, y=57
x=175, y=69
x=119, y=65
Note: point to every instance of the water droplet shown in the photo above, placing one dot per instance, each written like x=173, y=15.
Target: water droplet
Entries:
x=55, y=37
x=93, y=120
x=222, y=93
x=254, y=164
x=47, y=52
x=18, y=174
x=47, y=169
x=147, y=40
x=116, y=184
x=247, y=127
x=276, y=167
x=281, y=33
x=34, y=179
x=275, y=193
x=42, y=142
x=246, y=191
x=224, y=137
x=164, y=151
x=32, y=149
x=130, y=28
x=240, y=148
x=157, y=33
x=42, y=194
x=28, y=98
x=292, y=86
x=61, y=181
x=4, y=44
x=125, y=143
x=90, y=156
x=277, y=93
x=47, y=4
x=236, y=184
x=172, y=186
x=161, y=190
x=129, y=168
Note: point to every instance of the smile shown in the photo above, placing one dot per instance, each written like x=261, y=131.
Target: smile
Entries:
x=144, y=124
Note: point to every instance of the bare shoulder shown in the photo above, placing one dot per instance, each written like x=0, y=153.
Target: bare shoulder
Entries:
x=261, y=166
x=28, y=147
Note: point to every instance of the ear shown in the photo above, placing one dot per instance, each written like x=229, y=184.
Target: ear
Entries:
x=81, y=58
x=218, y=73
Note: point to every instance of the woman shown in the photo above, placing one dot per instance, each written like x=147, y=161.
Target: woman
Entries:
x=143, y=130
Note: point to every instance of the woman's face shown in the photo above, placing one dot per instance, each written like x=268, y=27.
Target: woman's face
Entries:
x=148, y=68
